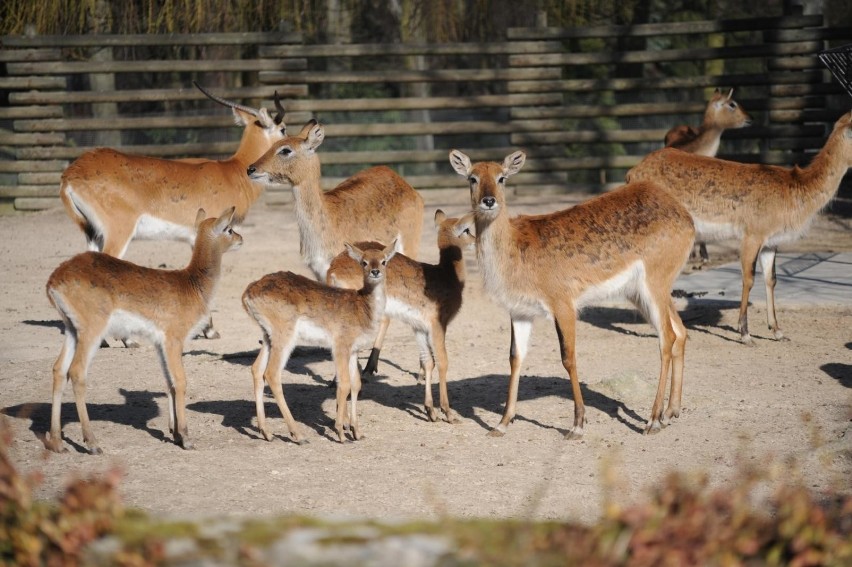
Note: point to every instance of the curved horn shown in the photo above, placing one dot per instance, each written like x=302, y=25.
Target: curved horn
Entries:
x=224, y=102
x=279, y=118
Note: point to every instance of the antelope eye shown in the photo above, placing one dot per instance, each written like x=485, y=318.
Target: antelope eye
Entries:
x=363, y=263
x=285, y=151
x=467, y=231
x=384, y=262
x=733, y=105
x=501, y=180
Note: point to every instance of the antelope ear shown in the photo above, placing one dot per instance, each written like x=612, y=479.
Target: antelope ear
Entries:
x=199, y=217
x=306, y=129
x=513, y=163
x=225, y=219
x=460, y=163
x=392, y=249
x=353, y=251
x=315, y=136
x=730, y=93
x=439, y=217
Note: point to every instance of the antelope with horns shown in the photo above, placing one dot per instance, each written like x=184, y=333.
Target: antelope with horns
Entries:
x=722, y=113
x=374, y=204
x=97, y=294
x=631, y=242
x=424, y=296
x=292, y=309
x=116, y=197
x=760, y=205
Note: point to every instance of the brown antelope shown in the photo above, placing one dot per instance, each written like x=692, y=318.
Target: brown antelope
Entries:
x=374, y=204
x=97, y=294
x=722, y=113
x=292, y=309
x=116, y=197
x=761, y=205
x=631, y=242
x=424, y=296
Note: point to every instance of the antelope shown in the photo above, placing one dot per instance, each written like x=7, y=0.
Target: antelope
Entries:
x=763, y=206
x=292, y=309
x=722, y=113
x=426, y=297
x=374, y=204
x=631, y=242
x=97, y=294
x=116, y=197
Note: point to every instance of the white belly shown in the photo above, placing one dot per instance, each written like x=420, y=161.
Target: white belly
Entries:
x=153, y=228
x=715, y=231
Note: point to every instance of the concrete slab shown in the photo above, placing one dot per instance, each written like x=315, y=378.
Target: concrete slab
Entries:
x=803, y=279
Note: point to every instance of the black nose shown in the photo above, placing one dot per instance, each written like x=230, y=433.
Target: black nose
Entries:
x=489, y=201
x=374, y=273
x=251, y=169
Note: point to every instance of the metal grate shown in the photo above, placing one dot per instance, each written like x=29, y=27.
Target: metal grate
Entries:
x=839, y=62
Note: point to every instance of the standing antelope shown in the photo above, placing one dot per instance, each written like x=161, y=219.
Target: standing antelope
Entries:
x=722, y=113
x=424, y=296
x=292, y=309
x=374, y=204
x=761, y=205
x=97, y=294
x=631, y=242
x=116, y=197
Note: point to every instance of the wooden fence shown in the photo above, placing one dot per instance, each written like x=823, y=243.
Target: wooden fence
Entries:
x=585, y=103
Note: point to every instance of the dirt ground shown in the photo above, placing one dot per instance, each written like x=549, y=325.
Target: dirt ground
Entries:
x=785, y=403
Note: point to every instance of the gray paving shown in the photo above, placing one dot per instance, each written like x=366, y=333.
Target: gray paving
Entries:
x=803, y=279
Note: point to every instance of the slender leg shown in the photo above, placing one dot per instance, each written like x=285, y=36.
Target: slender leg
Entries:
x=521, y=330
x=767, y=264
x=258, y=369
x=702, y=251
x=172, y=352
x=439, y=348
x=566, y=321
x=209, y=332
x=748, y=258
x=372, y=365
x=60, y=378
x=344, y=387
x=663, y=323
x=356, y=388
x=87, y=343
x=678, y=358
x=427, y=365
x=117, y=240
x=279, y=354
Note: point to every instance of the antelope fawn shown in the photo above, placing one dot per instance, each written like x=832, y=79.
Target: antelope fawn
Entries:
x=97, y=294
x=426, y=297
x=722, y=113
x=374, y=204
x=292, y=309
x=760, y=205
x=631, y=242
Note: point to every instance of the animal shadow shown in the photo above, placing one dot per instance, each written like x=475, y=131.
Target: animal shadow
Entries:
x=138, y=409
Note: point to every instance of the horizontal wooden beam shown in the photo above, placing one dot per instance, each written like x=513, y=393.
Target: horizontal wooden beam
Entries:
x=133, y=40
x=405, y=49
x=408, y=76
x=155, y=66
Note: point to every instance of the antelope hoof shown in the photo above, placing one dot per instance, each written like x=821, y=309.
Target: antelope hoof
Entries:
x=211, y=333
x=266, y=435
x=575, y=434
x=498, y=431
x=452, y=417
x=54, y=444
x=130, y=343
x=341, y=436
x=652, y=428
x=300, y=441
x=95, y=450
x=779, y=336
x=185, y=444
x=433, y=415
x=747, y=340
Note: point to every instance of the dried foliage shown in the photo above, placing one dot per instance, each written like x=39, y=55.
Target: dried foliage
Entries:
x=36, y=533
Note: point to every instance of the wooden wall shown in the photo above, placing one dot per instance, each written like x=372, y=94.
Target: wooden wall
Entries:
x=584, y=103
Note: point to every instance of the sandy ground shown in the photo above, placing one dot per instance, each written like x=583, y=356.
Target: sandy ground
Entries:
x=777, y=402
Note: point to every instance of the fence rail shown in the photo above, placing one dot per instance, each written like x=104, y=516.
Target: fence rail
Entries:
x=585, y=103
